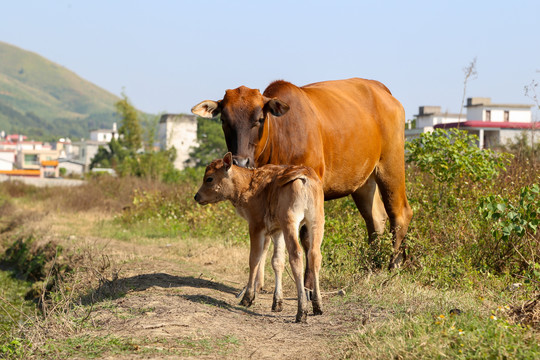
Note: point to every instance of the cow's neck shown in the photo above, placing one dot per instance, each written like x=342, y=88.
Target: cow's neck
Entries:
x=264, y=150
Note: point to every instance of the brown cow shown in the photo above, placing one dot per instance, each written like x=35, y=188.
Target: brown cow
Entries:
x=275, y=200
x=351, y=132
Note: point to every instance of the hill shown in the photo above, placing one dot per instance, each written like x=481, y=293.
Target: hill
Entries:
x=42, y=99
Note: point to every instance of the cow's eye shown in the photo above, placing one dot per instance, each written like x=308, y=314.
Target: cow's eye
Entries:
x=209, y=179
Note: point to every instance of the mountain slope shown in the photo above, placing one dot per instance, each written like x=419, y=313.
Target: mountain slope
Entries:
x=41, y=98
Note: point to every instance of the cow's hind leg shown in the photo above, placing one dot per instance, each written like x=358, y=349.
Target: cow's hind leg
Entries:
x=316, y=231
x=368, y=201
x=390, y=177
x=278, y=264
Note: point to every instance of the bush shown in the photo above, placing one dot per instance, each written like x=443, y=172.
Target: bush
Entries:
x=172, y=211
x=453, y=159
x=513, y=227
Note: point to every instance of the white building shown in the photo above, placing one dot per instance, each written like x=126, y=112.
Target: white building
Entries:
x=72, y=166
x=179, y=131
x=86, y=150
x=7, y=159
x=82, y=152
x=104, y=135
x=494, y=124
x=429, y=116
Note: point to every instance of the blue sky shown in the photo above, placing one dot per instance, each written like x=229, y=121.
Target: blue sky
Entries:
x=169, y=55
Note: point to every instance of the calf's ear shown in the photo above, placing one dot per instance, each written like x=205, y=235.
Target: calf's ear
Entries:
x=206, y=109
x=227, y=161
x=276, y=107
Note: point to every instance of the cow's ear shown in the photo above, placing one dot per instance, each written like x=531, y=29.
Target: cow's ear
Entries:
x=227, y=161
x=207, y=109
x=276, y=107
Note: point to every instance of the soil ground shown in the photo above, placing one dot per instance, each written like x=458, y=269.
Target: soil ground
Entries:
x=181, y=295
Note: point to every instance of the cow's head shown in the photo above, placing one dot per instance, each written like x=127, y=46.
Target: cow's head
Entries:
x=244, y=112
x=217, y=184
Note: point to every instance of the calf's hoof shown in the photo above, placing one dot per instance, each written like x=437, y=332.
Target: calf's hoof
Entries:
x=277, y=305
x=241, y=293
x=246, y=301
x=317, y=309
x=301, y=317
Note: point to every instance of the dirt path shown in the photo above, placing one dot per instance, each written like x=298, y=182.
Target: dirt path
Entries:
x=182, y=297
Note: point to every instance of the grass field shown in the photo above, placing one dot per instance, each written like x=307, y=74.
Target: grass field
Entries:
x=124, y=268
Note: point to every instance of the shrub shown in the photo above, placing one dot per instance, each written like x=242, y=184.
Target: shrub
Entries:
x=513, y=226
x=452, y=155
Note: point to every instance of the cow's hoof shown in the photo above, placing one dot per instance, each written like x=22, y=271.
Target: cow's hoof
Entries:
x=396, y=262
x=317, y=309
x=277, y=305
x=301, y=317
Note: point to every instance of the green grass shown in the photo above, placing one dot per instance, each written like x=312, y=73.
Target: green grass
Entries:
x=402, y=320
x=89, y=347
x=12, y=303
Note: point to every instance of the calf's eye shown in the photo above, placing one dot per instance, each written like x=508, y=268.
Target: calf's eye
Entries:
x=209, y=179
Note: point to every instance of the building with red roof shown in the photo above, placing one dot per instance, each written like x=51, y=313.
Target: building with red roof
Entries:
x=494, y=124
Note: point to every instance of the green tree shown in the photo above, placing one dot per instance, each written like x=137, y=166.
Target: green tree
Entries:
x=129, y=155
x=111, y=156
x=211, y=142
x=130, y=130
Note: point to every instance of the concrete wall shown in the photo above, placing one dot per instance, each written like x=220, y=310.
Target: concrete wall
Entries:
x=475, y=114
x=510, y=135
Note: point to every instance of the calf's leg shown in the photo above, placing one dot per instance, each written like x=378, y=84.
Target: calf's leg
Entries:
x=296, y=262
x=308, y=275
x=259, y=280
x=255, y=253
x=278, y=264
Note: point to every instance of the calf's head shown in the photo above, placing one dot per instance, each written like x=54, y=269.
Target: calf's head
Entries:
x=244, y=112
x=217, y=183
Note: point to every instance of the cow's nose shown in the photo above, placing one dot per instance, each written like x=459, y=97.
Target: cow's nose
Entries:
x=197, y=197
x=242, y=162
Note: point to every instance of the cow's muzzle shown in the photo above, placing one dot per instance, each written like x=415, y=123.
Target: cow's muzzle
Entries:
x=244, y=162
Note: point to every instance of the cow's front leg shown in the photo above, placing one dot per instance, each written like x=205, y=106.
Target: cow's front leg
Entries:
x=255, y=253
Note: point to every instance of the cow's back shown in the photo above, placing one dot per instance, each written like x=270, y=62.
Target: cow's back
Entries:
x=339, y=128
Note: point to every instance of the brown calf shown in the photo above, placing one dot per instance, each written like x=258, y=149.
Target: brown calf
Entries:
x=275, y=200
